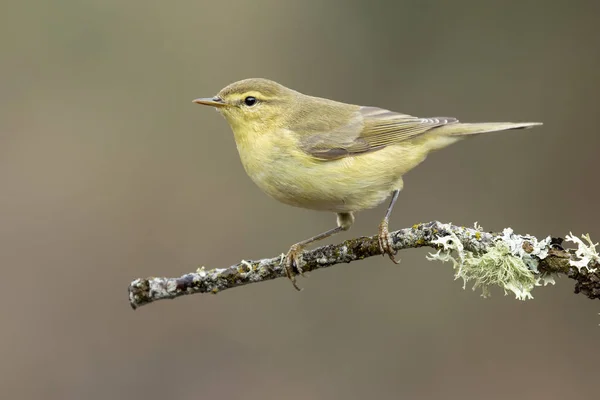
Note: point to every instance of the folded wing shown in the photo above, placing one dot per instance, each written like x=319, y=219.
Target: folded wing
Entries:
x=369, y=129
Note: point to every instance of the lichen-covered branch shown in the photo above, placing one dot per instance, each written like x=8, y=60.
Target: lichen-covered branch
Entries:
x=517, y=263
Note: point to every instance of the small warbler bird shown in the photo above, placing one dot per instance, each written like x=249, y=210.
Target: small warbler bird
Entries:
x=325, y=155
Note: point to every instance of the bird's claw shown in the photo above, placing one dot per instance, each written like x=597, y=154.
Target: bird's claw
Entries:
x=385, y=242
x=292, y=264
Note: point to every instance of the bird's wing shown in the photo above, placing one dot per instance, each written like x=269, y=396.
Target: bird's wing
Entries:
x=369, y=129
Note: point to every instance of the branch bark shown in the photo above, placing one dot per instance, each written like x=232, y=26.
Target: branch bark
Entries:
x=549, y=257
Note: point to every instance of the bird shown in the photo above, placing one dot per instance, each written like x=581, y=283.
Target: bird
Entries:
x=325, y=155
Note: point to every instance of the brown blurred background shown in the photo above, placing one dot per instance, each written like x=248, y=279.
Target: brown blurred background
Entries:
x=108, y=172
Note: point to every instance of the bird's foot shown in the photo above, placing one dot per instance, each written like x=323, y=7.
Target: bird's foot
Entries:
x=291, y=262
x=385, y=242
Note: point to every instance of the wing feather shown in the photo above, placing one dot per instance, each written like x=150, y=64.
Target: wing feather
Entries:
x=369, y=129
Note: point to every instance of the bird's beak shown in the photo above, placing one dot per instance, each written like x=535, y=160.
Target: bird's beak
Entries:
x=214, y=102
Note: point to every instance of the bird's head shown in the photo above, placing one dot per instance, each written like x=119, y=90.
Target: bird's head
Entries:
x=256, y=104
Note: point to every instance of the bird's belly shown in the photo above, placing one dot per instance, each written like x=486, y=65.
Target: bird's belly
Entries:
x=345, y=185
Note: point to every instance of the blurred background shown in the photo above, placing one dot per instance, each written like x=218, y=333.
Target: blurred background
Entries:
x=108, y=172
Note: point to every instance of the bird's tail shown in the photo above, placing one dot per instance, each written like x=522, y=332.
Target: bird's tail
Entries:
x=460, y=129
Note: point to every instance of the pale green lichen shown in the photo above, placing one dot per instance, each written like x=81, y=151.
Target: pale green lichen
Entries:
x=585, y=252
x=499, y=265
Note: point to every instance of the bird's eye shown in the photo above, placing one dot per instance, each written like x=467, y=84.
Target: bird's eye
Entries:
x=250, y=101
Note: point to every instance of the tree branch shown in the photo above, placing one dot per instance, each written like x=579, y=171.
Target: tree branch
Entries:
x=515, y=262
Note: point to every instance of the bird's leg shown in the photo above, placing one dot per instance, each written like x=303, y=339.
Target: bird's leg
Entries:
x=385, y=242
x=292, y=257
x=344, y=221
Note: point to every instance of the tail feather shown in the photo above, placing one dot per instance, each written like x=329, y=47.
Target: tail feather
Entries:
x=460, y=129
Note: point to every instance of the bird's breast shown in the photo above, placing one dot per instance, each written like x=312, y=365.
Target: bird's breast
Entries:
x=283, y=171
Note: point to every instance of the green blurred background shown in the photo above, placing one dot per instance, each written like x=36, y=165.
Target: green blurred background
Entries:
x=108, y=172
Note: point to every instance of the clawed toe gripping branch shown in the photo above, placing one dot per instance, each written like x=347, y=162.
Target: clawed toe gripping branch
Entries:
x=516, y=263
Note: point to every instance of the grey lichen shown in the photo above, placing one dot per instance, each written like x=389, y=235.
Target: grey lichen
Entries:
x=526, y=247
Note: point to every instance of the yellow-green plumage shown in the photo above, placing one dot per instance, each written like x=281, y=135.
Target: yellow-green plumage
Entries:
x=325, y=155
